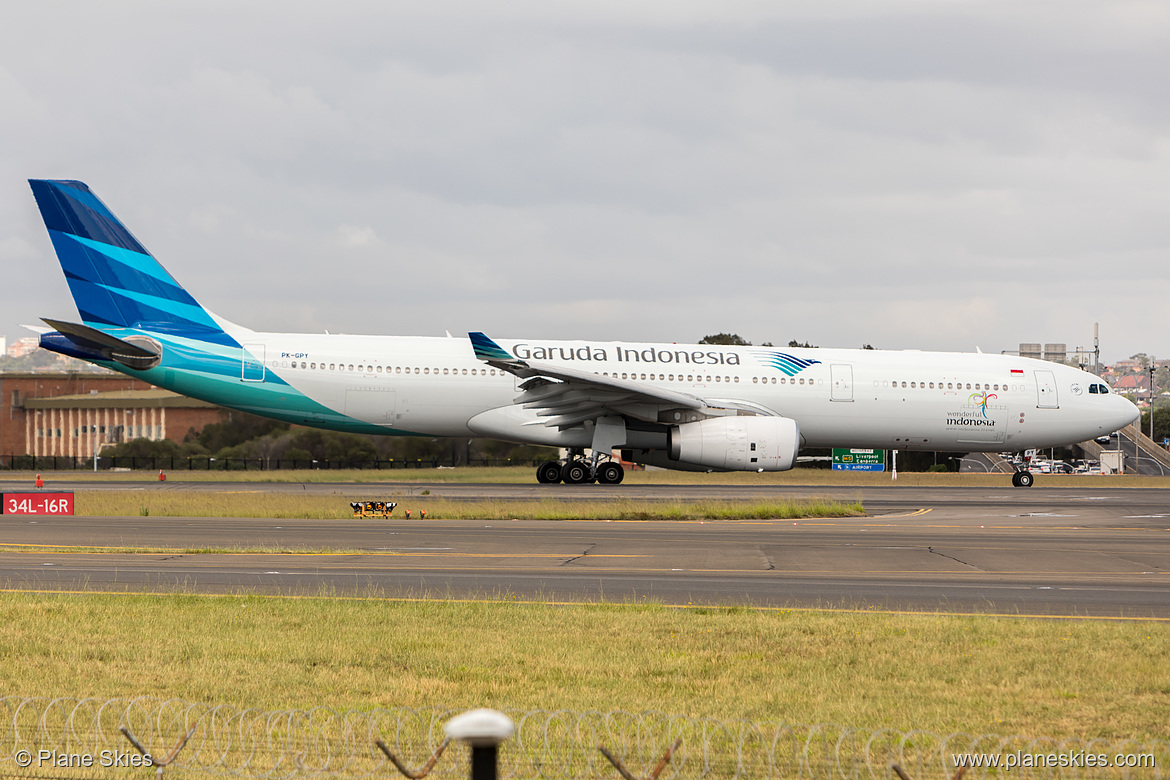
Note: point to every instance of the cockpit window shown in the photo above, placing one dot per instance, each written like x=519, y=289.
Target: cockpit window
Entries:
x=1093, y=389
x=1099, y=389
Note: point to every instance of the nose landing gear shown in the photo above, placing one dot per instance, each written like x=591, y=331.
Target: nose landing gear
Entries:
x=1022, y=479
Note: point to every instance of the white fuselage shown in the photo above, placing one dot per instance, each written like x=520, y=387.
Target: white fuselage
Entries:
x=846, y=398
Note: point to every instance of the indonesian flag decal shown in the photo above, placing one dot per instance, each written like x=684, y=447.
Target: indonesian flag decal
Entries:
x=1017, y=371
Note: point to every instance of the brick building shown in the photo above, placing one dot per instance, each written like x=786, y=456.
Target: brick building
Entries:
x=68, y=413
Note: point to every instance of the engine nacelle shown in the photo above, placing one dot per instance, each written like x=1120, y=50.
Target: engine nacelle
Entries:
x=737, y=443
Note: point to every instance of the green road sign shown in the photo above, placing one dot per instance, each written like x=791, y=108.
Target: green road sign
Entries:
x=859, y=460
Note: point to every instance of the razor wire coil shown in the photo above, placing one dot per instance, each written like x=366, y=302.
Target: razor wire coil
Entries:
x=228, y=741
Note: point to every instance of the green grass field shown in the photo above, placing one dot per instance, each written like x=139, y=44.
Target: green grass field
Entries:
x=284, y=505
x=903, y=671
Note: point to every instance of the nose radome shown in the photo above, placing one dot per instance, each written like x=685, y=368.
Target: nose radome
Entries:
x=1127, y=412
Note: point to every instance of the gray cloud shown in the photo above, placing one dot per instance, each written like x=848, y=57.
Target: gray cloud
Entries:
x=908, y=174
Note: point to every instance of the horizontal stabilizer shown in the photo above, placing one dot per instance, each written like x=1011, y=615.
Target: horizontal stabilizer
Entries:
x=95, y=337
x=90, y=341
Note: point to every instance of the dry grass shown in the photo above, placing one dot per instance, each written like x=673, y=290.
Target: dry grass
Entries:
x=314, y=507
x=942, y=673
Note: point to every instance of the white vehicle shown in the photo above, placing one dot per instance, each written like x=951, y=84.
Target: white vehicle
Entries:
x=706, y=408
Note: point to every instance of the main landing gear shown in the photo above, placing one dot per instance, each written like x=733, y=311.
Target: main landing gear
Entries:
x=577, y=471
x=1022, y=479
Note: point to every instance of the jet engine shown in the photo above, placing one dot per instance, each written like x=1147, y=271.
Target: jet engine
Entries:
x=736, y=443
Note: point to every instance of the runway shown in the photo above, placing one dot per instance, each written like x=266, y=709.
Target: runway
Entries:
x=1040, y=551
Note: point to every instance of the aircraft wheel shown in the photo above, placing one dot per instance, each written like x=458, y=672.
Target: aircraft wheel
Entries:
x=548, y=473
x=575, y=473
x=611, y=473
x=1022, y=479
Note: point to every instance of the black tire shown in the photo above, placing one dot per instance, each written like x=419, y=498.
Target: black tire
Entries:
x=1023, y=479
x=548, y=473
x=611, y=474
x=575, y=473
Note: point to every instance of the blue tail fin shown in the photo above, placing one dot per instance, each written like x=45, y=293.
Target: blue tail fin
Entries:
x=114, y=280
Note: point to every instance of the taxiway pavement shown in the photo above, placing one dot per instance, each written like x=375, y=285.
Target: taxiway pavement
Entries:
x=1038, y=551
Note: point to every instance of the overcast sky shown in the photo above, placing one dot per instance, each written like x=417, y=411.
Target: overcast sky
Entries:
x=923, y=175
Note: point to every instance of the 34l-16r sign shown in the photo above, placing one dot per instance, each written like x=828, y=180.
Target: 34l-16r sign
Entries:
x=36, y=503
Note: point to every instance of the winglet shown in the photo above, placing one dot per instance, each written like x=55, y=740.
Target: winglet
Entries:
x=486, y=349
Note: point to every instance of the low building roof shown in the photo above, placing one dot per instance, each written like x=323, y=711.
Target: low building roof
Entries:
x=119, y=399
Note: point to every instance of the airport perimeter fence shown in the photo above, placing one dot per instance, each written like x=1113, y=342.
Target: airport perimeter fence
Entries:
x=42, y=738
x=128, y=463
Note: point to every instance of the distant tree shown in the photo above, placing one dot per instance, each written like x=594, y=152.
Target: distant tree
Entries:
x=1161, y=423
x=148, y=448
x=806, y=345
x=867, y=346
x=236, y=428
x=726, y=340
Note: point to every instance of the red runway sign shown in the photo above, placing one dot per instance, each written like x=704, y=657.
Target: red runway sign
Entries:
x=36, y=503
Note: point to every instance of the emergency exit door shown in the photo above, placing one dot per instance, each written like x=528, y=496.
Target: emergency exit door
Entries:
x=842, y=377
x=1046, y=391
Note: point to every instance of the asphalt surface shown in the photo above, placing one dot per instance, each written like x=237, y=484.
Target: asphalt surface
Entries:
x=1038, y=551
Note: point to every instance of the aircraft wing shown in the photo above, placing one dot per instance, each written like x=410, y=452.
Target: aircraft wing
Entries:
x=566, y=397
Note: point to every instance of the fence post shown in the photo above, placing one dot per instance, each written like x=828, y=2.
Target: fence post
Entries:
x=483, y=730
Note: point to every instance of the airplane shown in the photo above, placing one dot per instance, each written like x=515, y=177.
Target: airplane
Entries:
x=689, y=407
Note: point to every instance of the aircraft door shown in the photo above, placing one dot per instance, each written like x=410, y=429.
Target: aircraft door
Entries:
x=252, y=363
x=1046, y=391
x=371, y=403
x=842, y=378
